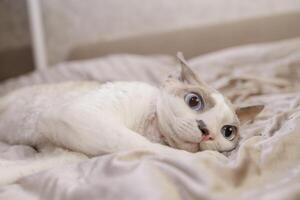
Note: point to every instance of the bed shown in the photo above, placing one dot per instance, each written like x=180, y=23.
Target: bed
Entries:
x=266, y=165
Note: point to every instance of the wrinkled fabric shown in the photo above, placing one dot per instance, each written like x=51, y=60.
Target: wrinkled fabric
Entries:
x=266, y=165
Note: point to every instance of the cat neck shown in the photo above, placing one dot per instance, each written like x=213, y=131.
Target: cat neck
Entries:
x=152, y=130
x=149, y=128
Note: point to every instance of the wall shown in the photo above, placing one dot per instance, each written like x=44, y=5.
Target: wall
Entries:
x=15, y=45
x=72, y=23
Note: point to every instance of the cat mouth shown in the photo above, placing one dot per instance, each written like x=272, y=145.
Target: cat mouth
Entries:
x=206, y=138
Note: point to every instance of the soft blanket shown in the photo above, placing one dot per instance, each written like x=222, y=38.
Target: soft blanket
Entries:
x=265, y=166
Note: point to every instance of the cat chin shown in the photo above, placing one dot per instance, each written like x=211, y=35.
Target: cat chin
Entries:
x=179, y=143
x=208, y=145
x=194, y=148
x=187, y=146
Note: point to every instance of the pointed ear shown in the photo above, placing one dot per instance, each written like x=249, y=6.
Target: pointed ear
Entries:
x=248, y=113
x=186, y=73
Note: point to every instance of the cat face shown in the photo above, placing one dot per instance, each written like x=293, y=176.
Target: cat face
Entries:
x=193, y=116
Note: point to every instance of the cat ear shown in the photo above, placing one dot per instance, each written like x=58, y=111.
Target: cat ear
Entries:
x=248, y=113
x=186, y=73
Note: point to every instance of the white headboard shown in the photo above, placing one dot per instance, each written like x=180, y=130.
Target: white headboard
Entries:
x=76, y=29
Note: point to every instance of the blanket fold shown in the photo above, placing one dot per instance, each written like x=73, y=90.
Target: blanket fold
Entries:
x=266, y=165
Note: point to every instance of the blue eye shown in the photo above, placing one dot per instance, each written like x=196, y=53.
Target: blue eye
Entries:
x=194, y=101
x=229, y=132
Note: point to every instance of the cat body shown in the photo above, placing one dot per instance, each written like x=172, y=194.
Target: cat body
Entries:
x=93, y=119
x=83, y=116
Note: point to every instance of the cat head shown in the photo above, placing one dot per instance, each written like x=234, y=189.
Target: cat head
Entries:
x=194, y=116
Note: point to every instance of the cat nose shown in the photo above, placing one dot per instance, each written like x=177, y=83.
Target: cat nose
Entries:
x=204, y=131
x=202, y=127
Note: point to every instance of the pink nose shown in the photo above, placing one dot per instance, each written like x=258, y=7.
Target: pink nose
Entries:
x=206, y=138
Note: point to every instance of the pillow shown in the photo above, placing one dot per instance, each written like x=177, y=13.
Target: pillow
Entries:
x=110, y=68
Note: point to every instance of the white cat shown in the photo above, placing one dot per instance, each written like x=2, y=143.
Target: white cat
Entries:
x=94, y=119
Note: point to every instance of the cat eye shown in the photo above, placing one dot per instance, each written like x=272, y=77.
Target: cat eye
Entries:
x=229, y=132
x=194, y=101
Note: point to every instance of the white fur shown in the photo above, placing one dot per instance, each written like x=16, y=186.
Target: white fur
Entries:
x=88, y=118
x=221, y=114
x=96, y=119
x=178, y=123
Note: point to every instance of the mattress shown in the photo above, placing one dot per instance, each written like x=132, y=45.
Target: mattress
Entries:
x=266, y=165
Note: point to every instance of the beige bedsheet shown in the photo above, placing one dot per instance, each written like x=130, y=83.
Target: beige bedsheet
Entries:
x=265, y=166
